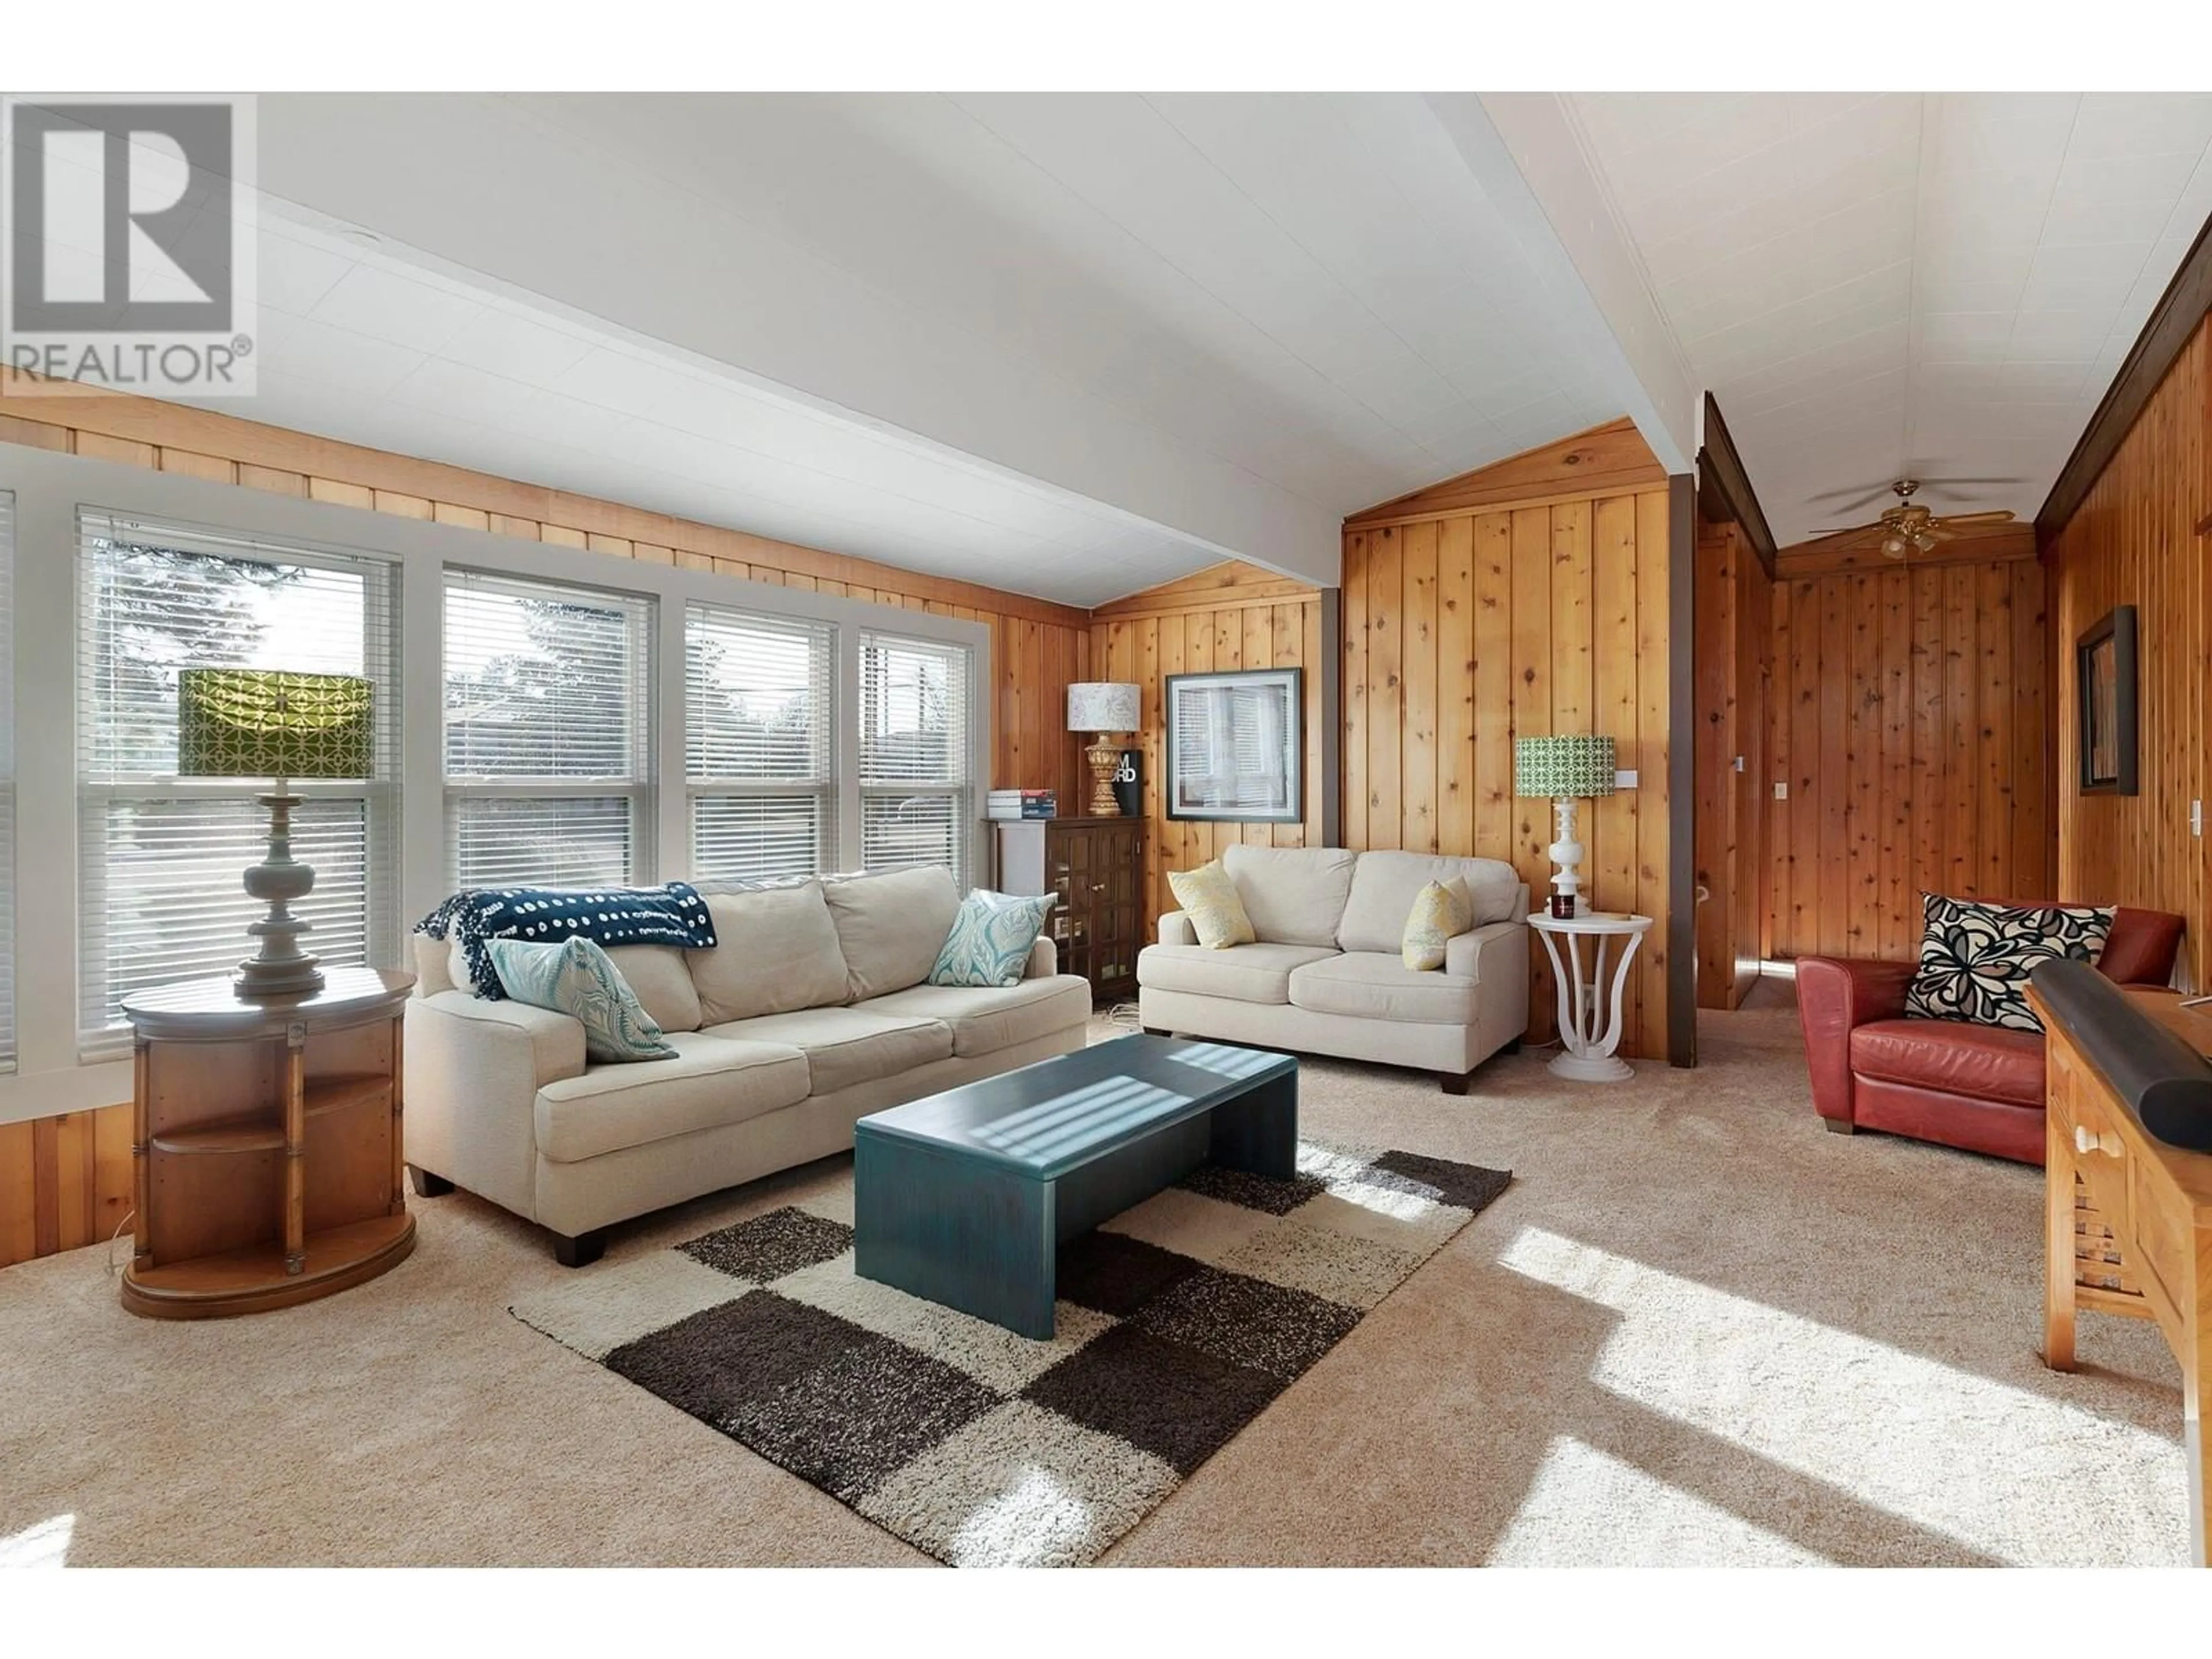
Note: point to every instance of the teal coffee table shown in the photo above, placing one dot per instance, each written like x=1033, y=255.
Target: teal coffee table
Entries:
x=965, y=1198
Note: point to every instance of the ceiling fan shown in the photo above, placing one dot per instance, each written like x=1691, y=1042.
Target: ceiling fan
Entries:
x=1908, y=527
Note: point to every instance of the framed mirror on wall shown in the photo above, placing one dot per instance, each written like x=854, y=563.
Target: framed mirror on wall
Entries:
x=1234, y=743
x=2104, y=703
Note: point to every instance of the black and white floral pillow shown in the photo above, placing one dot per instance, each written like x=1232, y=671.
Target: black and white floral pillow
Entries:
x=1975, y=958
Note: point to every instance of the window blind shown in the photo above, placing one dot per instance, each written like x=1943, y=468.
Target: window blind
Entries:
x=6, y=781
x=548, y=732
x=160, y=857
x=760, y=752
x=917, y=795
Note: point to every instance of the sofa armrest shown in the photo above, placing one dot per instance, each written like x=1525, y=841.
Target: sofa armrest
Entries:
x=1495, y=956
x=473, y=1069
x=1176, y=928
x=1044, y=959
x=1834, y=995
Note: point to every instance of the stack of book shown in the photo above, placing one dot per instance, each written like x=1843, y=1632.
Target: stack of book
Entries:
x=1021, y=804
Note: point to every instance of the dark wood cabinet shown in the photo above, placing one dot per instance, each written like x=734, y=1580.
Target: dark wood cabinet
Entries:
x=1096, y=865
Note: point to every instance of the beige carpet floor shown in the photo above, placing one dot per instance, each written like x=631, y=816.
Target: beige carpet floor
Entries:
x=1695, y=1329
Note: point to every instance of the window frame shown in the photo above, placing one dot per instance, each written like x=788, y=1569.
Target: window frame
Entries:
x=827, y=788
x=961, y=789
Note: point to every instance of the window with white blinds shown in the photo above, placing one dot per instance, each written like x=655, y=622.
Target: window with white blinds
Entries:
x=759, y=743
x=161, y=857
x=6, y=781
x=917, y=792
x=548, y=733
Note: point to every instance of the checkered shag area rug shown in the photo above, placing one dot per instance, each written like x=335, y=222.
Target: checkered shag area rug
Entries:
x=1179, y=1321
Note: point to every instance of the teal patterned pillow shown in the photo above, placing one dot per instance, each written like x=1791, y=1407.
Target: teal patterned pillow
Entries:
x=991, y=939
x=576, y=977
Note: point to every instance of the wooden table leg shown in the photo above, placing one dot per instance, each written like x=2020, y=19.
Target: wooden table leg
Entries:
x=2058, y=1246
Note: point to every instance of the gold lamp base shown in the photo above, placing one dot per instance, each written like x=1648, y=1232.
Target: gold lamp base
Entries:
x=1104, y=756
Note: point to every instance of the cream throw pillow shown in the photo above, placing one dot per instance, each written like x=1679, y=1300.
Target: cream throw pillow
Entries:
x=1209, y=898
x=1440, y=909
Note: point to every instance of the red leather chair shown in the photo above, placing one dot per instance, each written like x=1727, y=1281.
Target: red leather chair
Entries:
x=1980, y=1087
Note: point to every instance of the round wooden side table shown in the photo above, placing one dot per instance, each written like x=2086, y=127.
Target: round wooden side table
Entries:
x=1590, y=1010
x=265, y=1144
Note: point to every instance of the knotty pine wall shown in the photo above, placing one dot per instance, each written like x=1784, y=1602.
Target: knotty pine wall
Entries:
x=1910, y=719
x=1461, y=631
x=65, y=1180
x=2142, y=537
x=1233, y=616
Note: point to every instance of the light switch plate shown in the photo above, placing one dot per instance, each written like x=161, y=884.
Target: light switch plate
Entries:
x=1623, y=779
x=2196, y=817
x=1739, y=762
x=1782, y=792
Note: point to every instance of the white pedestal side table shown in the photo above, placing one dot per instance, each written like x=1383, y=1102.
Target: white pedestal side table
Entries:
x=1590, y=1010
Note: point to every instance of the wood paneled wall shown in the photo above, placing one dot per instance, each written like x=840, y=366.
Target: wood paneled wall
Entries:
x=1233, y=616
x=1036, y=647
x=1733, y=634
x=1461, y=631
x=1910, y=722
x=2142, y=537
x=65, y=1180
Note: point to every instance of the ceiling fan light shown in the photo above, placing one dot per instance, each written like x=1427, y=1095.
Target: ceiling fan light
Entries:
x=1893, y=547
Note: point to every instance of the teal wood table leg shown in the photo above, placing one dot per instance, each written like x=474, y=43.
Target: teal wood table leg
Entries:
x=1258, y=1130
x=953, y=1231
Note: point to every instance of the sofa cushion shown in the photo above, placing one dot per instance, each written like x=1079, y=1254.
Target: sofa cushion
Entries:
x=778, y=951
x=1442, y=910
x=1975, y=958
x=845, y=1046
x=1385, y=885
x=662, y=981
x=984, y=1021
x=1377, y=985
x=1293, y=894
x=1215, y=909
x=1243, y=973
x=891, y=927
x=576, y=977
x=1988, y=1062
x=992, y=937
x=711, y=1082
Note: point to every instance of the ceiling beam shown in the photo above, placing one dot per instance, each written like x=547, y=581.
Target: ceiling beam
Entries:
x=1527, y=152
x=1721, y=472
x=2173, y=322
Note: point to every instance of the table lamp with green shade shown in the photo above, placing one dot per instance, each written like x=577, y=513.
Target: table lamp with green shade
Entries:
x=1563, y=770
x=272, y=723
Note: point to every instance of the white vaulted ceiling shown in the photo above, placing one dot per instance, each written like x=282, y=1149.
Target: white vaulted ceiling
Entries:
x=1070, y=345
x=1876, y=286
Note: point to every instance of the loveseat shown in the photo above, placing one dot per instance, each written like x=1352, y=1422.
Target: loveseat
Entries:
x=1976, y=1087
x=809, y=1012
x=1328, y=975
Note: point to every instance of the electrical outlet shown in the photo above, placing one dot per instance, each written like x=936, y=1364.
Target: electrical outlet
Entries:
x=1782, y=792
x=1623, y=779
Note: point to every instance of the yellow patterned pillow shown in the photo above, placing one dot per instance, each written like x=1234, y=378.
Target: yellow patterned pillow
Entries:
x=1443, y=908
x=1209, y=898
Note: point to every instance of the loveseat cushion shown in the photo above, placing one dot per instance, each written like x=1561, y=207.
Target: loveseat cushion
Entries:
x=984, y=1021
x=846, y=1046
x=1987, y=1062
x=712, y=1082
x=658, y=975
x=891, y=927
x=1243, y=973
x=1293, y=894
x=1385, y=885
x=1377, y=985
x=778, y=951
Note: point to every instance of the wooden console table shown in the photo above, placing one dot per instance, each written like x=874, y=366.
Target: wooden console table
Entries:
x=2128, y=1224
x=266, y=1144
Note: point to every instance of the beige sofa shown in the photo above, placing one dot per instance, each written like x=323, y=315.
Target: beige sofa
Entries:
x=1328, y=975
x=809, y=1013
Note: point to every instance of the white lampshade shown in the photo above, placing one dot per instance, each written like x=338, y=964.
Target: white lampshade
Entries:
x=1104, y=706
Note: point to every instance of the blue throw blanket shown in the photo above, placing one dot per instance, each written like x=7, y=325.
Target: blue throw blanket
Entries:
x=673, y=914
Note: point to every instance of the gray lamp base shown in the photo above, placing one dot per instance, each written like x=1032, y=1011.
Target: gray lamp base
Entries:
x=280, y=968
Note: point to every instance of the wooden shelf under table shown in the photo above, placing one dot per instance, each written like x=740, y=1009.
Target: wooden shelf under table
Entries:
x=253, y=1279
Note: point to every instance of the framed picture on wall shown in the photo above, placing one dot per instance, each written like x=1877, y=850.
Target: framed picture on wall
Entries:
x=1233, y=747
x=2105, y=704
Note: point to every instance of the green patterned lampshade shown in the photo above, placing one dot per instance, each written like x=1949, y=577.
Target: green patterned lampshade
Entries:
x=267, y=723
x=1563, y=768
